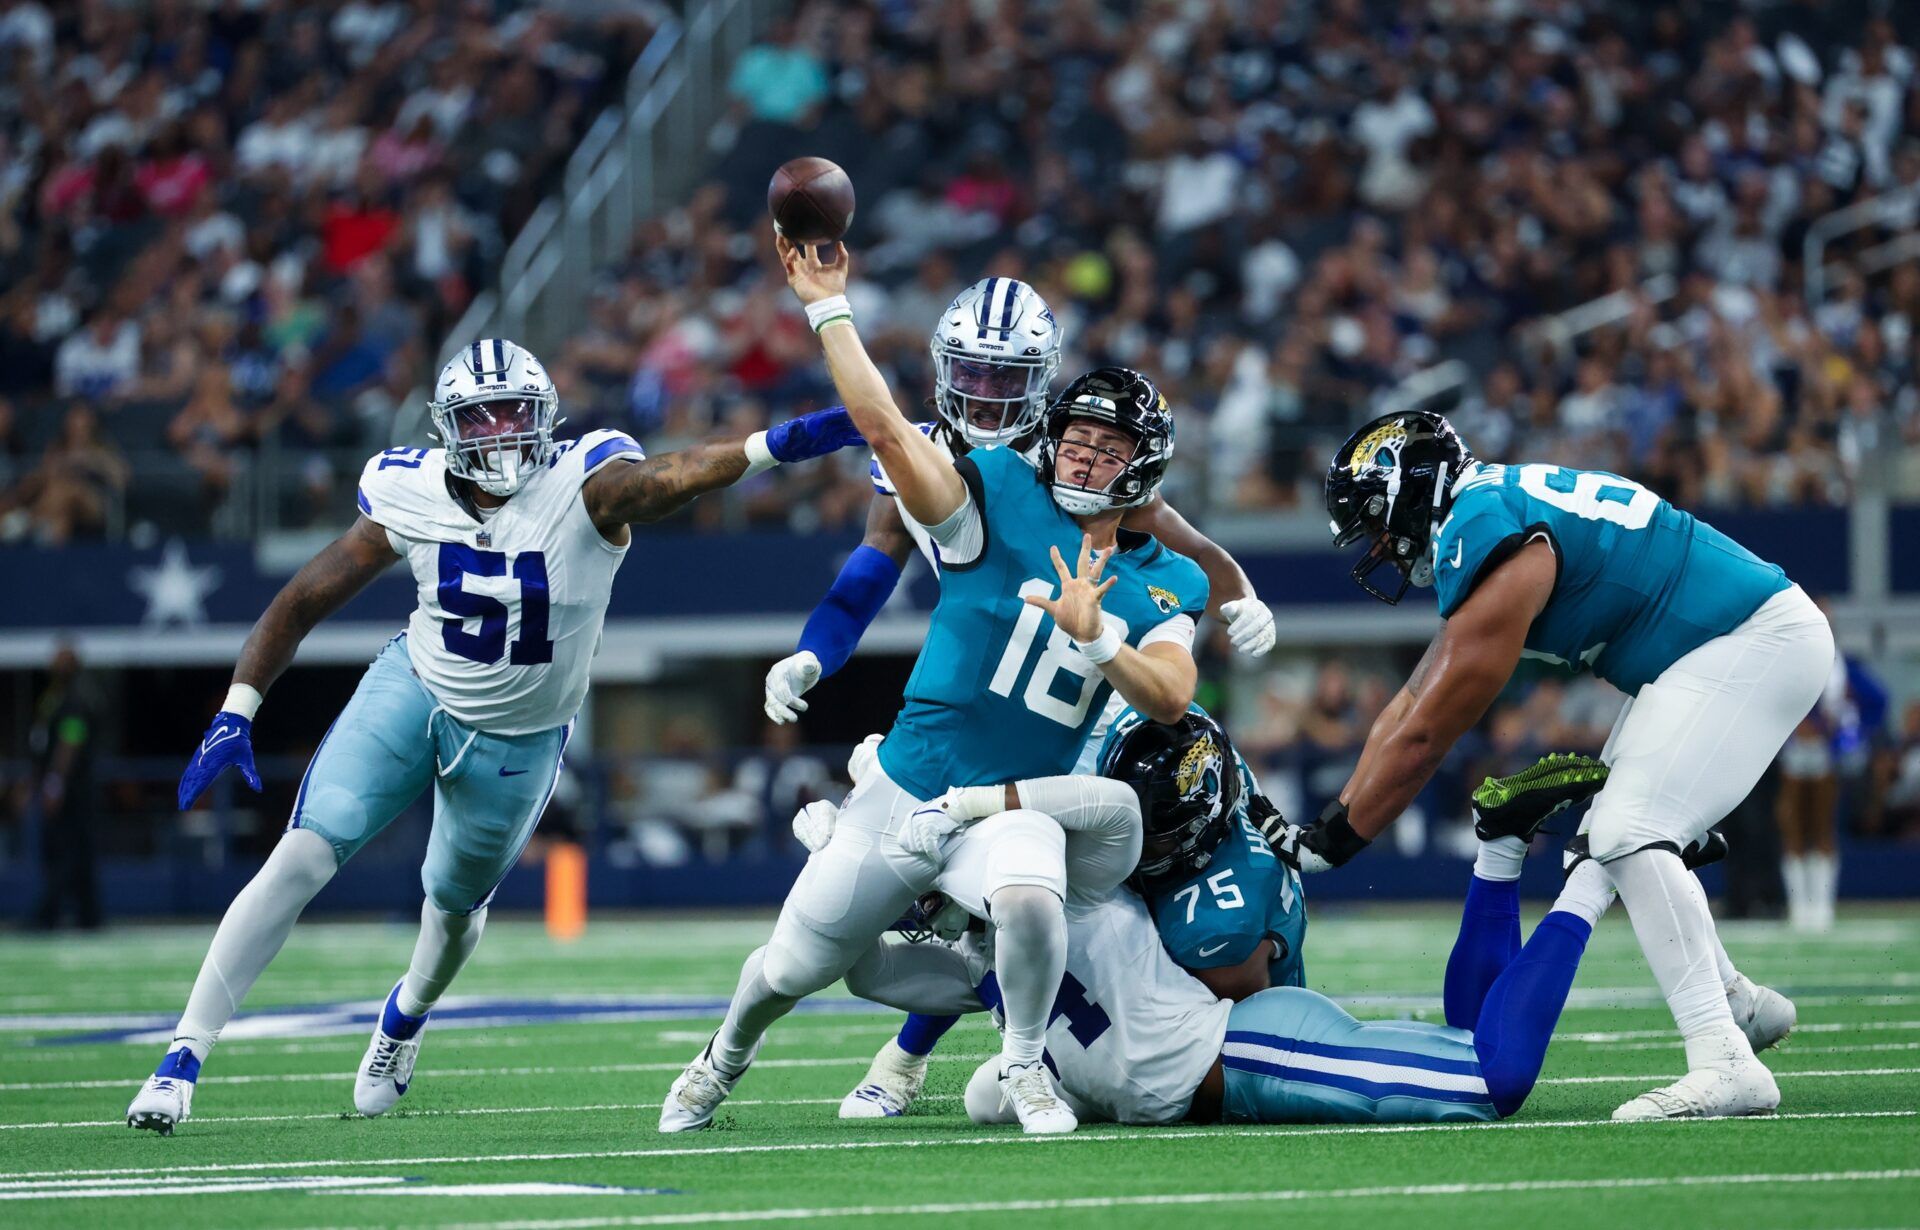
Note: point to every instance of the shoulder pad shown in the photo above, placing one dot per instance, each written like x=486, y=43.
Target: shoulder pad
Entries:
x=588, y=454
x=400, y=487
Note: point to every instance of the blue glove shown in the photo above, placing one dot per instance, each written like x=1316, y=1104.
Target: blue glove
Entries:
x=229, y=741
x=813, y=435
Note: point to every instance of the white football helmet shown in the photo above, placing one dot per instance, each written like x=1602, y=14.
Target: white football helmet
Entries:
x=494, y=410
x=994, y=355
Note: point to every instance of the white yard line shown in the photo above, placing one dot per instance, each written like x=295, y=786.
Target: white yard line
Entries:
x=1095, y=1136
x=1189, y=1199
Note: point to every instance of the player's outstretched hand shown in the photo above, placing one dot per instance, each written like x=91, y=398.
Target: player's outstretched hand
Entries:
x=790, y=676
x=1077, y=609
x=813, y=824
x=813, y=435
x=1249, y=625
x=229, y=741
x=813, y=279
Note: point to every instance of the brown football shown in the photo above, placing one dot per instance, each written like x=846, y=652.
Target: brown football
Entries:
x=811, y=200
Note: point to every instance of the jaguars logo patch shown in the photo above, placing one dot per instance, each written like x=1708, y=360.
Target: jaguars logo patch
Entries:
x=1165, y=599
x=1192, y=773
x=1381, y=447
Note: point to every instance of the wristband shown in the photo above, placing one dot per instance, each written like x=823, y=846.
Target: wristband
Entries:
x=760, y=458
x=1339, y=840
x=242, y=699
x=826, y=311
x=1103, y=648
x=976, y=802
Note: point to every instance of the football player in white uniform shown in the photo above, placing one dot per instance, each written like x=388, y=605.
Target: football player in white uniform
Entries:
x=995, y=353
x=513, y=539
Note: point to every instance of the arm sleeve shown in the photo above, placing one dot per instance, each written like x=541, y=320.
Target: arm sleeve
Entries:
x=963, y=537
x=1102, y=819
x=865, y=583
x=1179, y=630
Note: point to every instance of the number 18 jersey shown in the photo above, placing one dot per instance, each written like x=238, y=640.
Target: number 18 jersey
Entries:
x=512, y=606
x=999, y=693
x=1641, y=583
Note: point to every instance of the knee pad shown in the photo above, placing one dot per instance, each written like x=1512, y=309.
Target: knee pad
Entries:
x=1027, y=849
x=1025, y=907
x=984, y=1104
x=797, y=962
x=301, y=864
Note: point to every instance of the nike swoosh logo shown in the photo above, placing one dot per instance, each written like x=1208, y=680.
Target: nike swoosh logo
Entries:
x=1207, y=952
x=1458, y=547
x=224, y=734
x=506, y=772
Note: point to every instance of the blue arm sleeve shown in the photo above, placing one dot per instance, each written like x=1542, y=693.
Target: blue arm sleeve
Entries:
x=855, y=597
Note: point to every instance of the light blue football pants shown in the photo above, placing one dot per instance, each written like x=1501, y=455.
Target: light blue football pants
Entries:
x=392, y=741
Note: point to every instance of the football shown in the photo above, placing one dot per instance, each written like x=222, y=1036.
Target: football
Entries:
x=811, y=200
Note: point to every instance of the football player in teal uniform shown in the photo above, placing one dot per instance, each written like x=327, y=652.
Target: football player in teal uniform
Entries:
x=1718, y=652
x=1021, y=654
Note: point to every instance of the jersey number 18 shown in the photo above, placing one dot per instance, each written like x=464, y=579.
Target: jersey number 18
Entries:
x=1060, y=656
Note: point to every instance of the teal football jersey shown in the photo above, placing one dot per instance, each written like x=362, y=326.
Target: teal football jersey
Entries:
x=999, y=693
x=1244, y=894
x=1641, y=585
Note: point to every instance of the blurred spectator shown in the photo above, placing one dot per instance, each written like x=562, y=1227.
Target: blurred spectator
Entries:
x=60, y=742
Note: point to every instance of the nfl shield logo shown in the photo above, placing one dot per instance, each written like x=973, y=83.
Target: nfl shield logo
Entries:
x=483, y=538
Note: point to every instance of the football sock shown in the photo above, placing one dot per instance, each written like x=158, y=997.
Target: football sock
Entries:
x=1489, y=939
x=1676, y=931
x=1723, y=964
x=1030, y=955
x=446, y=941
x=1589, y=893
x=1823, y=883
x=919, y=1034
x=1793, y=874
x=1523, y=1005
x=251, y=933
x=1500, y=859
x=755, y=1007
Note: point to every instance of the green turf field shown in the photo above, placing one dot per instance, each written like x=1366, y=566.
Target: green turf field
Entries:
x=498, y=1111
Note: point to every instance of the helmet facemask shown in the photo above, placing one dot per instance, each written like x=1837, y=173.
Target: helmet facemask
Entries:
x=1188, y=781
x=1391, y=485
x=991, y=401
x=497, y=444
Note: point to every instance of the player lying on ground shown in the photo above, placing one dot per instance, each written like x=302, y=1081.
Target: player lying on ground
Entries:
x=1228, y=911
x=1719, y=653
x=995, y=352
x=513, y=539
x=1010, y=675
x=1137, y=1039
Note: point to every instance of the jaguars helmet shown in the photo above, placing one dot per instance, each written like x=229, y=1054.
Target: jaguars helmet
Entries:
x=995, y=353
x=1117, y=397
x=494, y=409
x=1188, y=781
x=1391, y=484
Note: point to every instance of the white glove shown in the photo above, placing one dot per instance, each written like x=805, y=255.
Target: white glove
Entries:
x=813, y=824
x=1249, y=625
x=790, y=677
x=864, y=758
x=941, y=818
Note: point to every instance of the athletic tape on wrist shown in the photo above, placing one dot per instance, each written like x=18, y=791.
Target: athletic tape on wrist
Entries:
x=243, y=699
x=759, y=457
x=825, y=312
x=1103, y=648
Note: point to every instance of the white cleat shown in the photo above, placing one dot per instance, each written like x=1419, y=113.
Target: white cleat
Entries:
x=1029, y=1089
x=386, y=1070
x=890, y=1086
x=1708, y=1093
x=698, y=1092
x=166, y=1100
x=1762, y=1013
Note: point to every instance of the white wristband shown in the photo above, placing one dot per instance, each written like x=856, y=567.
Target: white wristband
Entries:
x=1103, y=648
x=976, y=802
x=820, y=314
x=242, y=699
x=759, y=457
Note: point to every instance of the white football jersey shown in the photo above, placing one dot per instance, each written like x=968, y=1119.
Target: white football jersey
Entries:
x=1135, y=1034
x=512, y=606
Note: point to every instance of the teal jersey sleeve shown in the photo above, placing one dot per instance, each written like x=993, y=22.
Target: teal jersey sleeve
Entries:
x=1483, y=531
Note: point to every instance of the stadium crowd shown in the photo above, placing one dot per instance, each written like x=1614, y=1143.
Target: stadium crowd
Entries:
x=250, y=230
x=235, y=230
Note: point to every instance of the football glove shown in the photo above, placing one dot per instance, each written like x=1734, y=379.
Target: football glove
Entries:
x=789, y=678
x=864, y=758
x=813, y=435
x=1519, y=804
x=1249, y=625
x=1327, y=843
x=229, y=741
x=927, y=828
x=813, y=824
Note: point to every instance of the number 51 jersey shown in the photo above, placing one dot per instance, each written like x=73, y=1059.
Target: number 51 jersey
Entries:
x=512, y=605
x=1641, y=583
